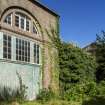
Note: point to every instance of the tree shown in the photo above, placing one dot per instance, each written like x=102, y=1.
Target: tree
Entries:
x=76, y=66
x=100, y=56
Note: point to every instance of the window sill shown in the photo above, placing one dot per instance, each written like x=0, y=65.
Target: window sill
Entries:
x=19, y=62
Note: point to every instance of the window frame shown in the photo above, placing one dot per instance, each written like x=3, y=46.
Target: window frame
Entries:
x=34, y=28
x=6, y=20
x=8, y=53
x=36, y=53
x=26, y=19
x=24, y=55
x=29, y=22
x=15, y=46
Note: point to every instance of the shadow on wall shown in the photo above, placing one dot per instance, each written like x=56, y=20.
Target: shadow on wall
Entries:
x=95, y=101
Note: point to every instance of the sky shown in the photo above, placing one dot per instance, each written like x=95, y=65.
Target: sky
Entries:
x=80, y=20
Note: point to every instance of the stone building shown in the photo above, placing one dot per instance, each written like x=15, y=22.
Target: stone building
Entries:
x=91, y=48
x=25, y=46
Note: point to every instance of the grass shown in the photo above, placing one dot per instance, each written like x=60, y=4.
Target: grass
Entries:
x=90, y=101
x=53, y=102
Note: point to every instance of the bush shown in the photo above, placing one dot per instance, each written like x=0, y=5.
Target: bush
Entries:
x=78, y=92
x=101, y=88
x=76, y=67
x=45, y=95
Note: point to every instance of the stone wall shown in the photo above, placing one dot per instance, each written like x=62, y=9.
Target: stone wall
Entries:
x=45, y=19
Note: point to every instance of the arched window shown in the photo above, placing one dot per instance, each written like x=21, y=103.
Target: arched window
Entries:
x=22, y=21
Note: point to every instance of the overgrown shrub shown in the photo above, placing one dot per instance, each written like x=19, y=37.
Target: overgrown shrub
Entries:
x=101, y=88
x=78, y=92
x=45, y=95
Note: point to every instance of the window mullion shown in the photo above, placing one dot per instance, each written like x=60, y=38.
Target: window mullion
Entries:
x=18, y=49
x=7, y=47
x=21, y=49
x=24, y=51
x=25, y=24
x=36, y=53
x=19, y=22
x=11, y=19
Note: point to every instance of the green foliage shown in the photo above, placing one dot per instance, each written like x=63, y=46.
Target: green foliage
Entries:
x=97, y=100
x=77, y=73
x=22, y=89
x=8, y=94
x=100, y=56
x=101, y=89
x=54, y=37
x=52, y=102
x=79, y=92
x=54, y=45
x=45, y=95
x=75, y=66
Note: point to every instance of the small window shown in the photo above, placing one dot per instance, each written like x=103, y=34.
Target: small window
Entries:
x=6, y=46
x=34, y=29
x=8, y=19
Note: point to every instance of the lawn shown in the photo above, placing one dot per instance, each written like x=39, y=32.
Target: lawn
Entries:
x=53, y=102
x=89, y=101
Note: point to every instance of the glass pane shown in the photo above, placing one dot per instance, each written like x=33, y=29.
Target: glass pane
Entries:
x=22, y=58
x=9, y=44
x=35, y=53
x=22, y=23
x=17, y=21
x=38, y=54
x=5, y=43
x=9, y=39
x=19, y=58
x=29, y=59
x=4, y=50
x=9, y=50
x=8, y=19
x=6, y=47
x=4, y=37
x=16, y=57
x=34, y=29
x=9, y=56
x=27, y=25
x=4, y=55
x=19, y=44
x=17, y=51
x=26, y=59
